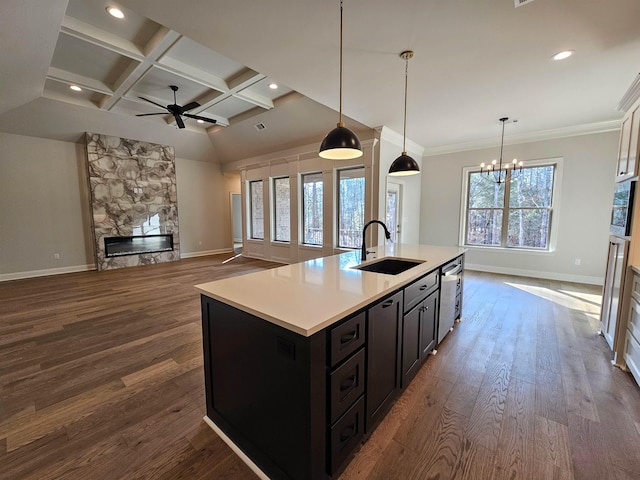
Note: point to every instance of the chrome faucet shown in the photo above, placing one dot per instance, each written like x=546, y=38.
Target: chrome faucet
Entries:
x=364, y=248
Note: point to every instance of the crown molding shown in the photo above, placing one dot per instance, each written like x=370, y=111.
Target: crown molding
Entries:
x=385, y=133
x=552, y=134
x=631, y=95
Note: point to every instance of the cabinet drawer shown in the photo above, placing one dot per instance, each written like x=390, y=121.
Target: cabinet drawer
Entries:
x=632, y=356
x=345, y=435
x=346, y=384
x=418, y=290
x=634, y=319
x=346, y=338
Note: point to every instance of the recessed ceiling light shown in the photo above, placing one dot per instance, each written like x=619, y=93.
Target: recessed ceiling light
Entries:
x=200, y=121
x=273, y=86
x=562, y=55
x=115, y=12
x=75, y=88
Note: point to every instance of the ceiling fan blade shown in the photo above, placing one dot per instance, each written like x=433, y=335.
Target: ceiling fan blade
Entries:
x=190, y=106
x=178, y=120
x=147, y=114
x=198, y=117
x=151, y=101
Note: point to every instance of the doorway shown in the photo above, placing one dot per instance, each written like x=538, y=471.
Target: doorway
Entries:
x=393, y=215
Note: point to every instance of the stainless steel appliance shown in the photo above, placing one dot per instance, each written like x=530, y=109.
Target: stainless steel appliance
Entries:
x=450, y=284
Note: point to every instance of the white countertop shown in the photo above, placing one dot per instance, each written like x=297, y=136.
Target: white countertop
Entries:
x=309, y=296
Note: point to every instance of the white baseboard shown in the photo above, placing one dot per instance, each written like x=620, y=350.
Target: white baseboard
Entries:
x=204, y=253
x=5, y=277
x=254, y=468
x=562, y=277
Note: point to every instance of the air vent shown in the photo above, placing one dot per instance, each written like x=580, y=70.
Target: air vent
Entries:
x=260, y=126
x=519, y=3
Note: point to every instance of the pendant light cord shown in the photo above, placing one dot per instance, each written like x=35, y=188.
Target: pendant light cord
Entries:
x=340, y=124
x=501, y=144
x=404, y=129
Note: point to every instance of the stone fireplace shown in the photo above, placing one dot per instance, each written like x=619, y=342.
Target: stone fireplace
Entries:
x=133, y=200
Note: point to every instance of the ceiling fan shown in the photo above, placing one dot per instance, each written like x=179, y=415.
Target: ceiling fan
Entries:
x=176, y=110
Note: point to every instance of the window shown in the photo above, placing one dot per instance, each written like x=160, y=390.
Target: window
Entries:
x=513, y=214
x=256, y=207
x=312, y=205
x=281, y=210
x=350, y=207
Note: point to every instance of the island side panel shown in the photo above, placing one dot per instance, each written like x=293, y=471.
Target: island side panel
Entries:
x=266, y=389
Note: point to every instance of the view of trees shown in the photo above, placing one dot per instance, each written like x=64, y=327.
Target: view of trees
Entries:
x=257, y=209
x=312, y=192
x=351, y=207
x=281, y=212
x=515, y=213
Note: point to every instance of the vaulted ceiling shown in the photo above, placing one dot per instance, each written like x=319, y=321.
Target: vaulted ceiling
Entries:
x=474, y=63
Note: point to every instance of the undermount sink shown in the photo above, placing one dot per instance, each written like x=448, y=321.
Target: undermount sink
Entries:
x=389, y=266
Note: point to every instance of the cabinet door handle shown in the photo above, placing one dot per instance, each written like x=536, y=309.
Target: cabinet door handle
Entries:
x=348, y=383
x=423, y=288
x=348, y=337
x=347, y=433
x=388, y=303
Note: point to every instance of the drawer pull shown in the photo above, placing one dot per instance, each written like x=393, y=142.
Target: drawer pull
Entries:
x=388, y=303
x=348, y=383
x=423, y=288
x=347, y=433
x=348, y=337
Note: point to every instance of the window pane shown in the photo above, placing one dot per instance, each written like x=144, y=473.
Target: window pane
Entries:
x=484, y=227
x=533, y=188
x=350, y=207
x=257, y=209
x=529, y=227
x=484, y=192
x=282, y=207
x=312, y=208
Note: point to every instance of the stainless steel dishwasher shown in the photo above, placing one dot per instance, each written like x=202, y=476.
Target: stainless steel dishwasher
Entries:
x=450, y=277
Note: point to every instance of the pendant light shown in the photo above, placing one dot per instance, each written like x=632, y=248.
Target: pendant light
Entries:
x=404, y=164
x=340, y=143
x=501, y=175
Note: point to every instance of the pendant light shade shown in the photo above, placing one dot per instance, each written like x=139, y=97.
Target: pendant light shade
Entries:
x=340, y=143
x=404, y=164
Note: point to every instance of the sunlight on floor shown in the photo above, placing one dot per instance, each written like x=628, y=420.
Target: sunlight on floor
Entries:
x=588, y=303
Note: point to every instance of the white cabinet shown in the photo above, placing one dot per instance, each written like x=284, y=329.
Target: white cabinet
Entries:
x=612, y=291
x=632, y=339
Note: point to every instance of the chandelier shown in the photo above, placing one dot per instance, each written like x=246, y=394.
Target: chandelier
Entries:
x=510, y=171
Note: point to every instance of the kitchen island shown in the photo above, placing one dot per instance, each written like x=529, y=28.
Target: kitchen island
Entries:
x=303, y=361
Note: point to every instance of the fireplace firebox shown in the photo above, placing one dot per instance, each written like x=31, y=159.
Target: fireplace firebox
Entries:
x=135, y=245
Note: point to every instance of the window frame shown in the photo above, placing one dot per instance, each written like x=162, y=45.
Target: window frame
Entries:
x=338, y=203
x=251, y=209
x=303, y=209
x=553, y=209
x=274, y=209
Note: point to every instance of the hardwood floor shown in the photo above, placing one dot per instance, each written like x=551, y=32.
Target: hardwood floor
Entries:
x=101, y=378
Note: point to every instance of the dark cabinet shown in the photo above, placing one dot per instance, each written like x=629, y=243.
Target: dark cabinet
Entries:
x=383, y=347
x=428, y=325
x=419, y=331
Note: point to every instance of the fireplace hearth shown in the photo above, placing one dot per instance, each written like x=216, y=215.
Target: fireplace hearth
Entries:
x=136, y=245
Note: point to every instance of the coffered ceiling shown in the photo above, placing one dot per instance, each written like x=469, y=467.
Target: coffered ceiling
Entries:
x=474, y=63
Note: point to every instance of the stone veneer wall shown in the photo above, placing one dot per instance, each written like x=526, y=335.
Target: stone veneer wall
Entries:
x=133, y=192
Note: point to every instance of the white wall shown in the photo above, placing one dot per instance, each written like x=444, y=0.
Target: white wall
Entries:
x=583, y=213
x=44, y=207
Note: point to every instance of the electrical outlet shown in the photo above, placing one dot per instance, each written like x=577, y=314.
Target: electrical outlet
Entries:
x=578, y=261
x=56, y=256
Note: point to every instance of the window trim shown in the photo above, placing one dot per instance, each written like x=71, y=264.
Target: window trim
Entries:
x=302, y=242
x=554, y=210
x=250, y=197
x=336, y=221
x=273, y=204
